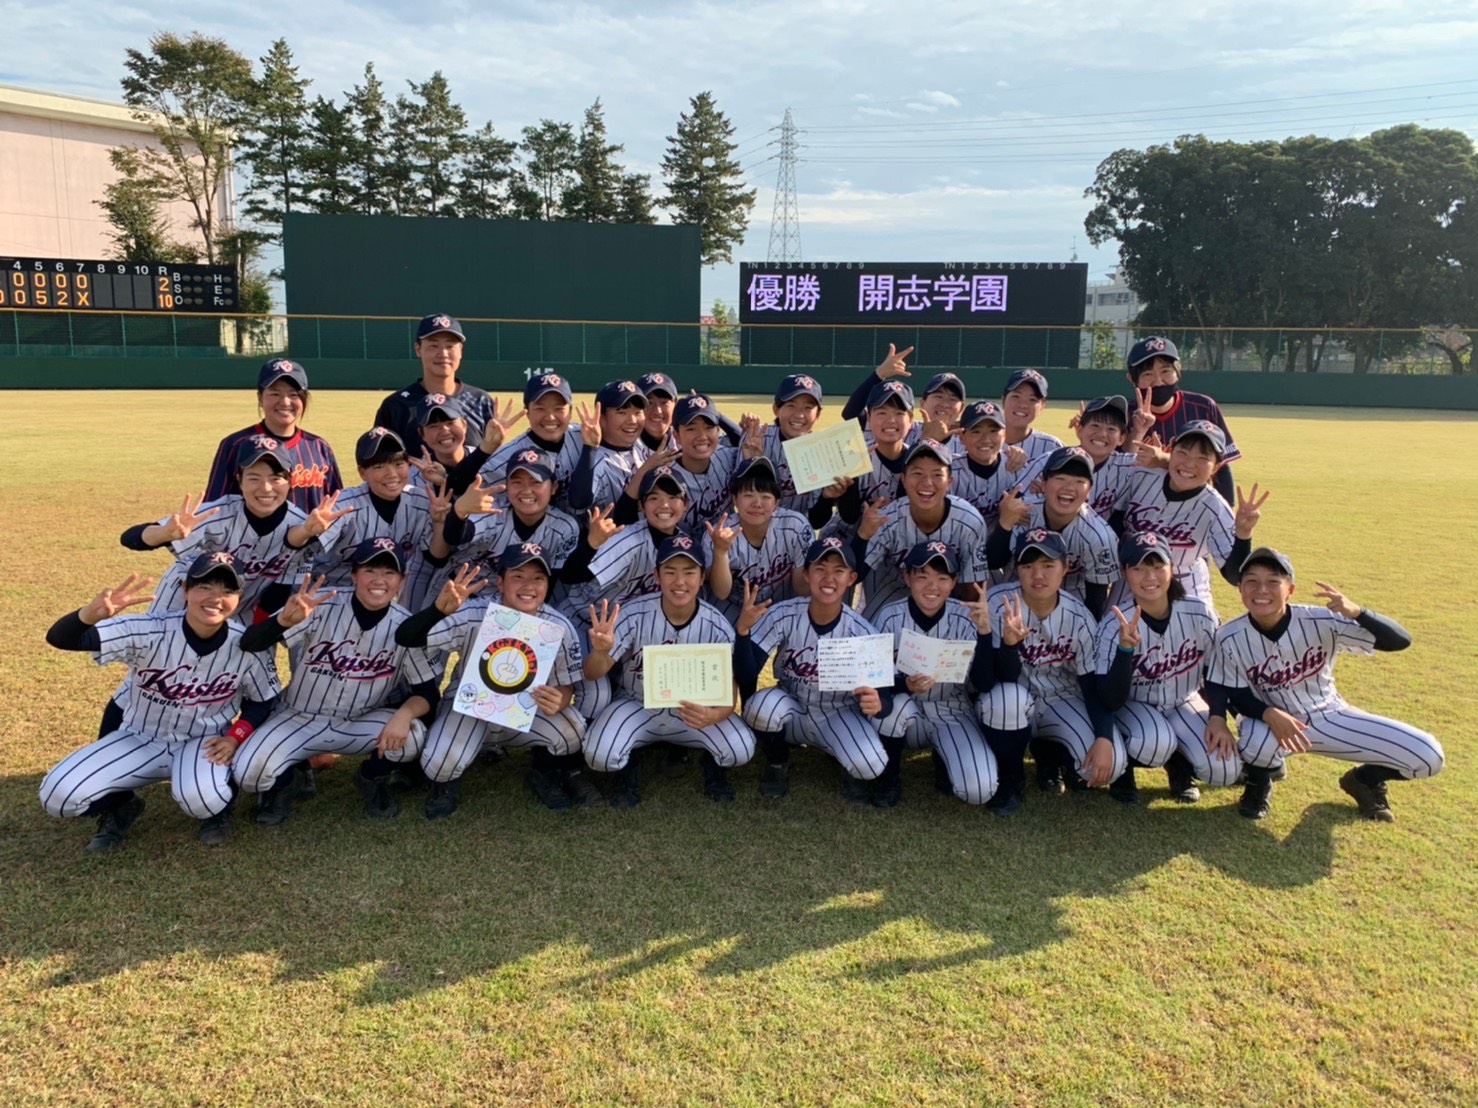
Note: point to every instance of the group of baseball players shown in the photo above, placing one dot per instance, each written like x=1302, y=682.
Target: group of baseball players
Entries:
x=1074, y=578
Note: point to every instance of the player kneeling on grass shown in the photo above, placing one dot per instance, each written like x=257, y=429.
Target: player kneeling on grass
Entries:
x=525, y=576
x=191, y=681
x=925, y=712
x=1075, y=742
x=796, y=711
x=353, y=689
x=1152, y=667
x=1275, y=667
x=620, y=634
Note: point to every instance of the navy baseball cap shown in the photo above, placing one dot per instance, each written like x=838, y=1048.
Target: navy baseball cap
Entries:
x=1048, y=542
x=891, y=392
x=664, y=476
x=797, y=384
x=1206, y=430
x=437, y=407
x=1027, y=377
x=439, y=324
x=830, y=545
x=620, y=394
x=370, y=550
x=945, y=381
x=680, y=546
x=922, y=553
x=982, y=411
x=1152, y=347
x=218, y=563
x=377, y=442
x=690, y=408
x=754, y=467
x=1108, y=404
x=928, y=448
x=1068, y=459
x=531, y=461
x=657, y=382
x=253, y=450
x=1267, y=556
x=521, y=554
x=540, y=383
x=280, y=369
x=1136, y=546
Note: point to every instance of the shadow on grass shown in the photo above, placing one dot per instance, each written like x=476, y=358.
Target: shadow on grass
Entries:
x=496, y=888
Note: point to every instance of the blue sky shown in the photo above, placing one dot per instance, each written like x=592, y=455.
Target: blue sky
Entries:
x=932, y=130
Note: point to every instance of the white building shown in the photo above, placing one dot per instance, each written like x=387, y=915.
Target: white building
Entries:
x=1110, y=301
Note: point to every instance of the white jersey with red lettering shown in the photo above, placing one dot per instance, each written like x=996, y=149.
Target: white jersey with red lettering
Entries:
x=1169, y=666
x=769, y=568
x=1092, y=548
x=643, y=623
x=786, y=631
x=344, y=670
x=709, y=498
x=1057, y=649
x=1197, y=527
x=1295, y=671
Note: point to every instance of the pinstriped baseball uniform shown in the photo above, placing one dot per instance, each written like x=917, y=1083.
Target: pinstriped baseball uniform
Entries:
x=884, y=482
x=612, y=470
x=1196, y=529
x=796, y=707
x=1110, y=479
x=625, y=725
x=1165, y=709
x=344, y=680
x=916, y=432
x=557, y=533
x=454, y=739
x=770, y=566
x=179, y=700
x=1055, y=653
x=709, y=498
x=1092, y=548
x=410, y=528
x=945, y=717
x=984, y=493
x=1038, y=444
x=625, y=567
x=1295, y=672
x=563, y=461
x=962, y=529
x=789, y=498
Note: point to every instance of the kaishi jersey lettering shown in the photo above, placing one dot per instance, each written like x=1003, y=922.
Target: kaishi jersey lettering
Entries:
x=315, y=473
x=1057, y=650
x=962, y=529
x=1169, y=667
x=176, y=693
x=410, y=528
x=1295, y=672
x=1195, y=528
x=344, y=670
x=458, y=632
x=786, y=632
x=768, y=568
x=643, y=623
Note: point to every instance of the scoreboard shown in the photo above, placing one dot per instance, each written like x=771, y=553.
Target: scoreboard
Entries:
x=60, y=284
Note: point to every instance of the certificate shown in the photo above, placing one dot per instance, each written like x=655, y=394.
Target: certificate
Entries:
x=818, y=459
x=512, y=654
x=945, y=660
x=847, y=664
x=700, y=673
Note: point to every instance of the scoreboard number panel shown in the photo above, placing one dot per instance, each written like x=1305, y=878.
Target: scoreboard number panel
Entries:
x=69, y=285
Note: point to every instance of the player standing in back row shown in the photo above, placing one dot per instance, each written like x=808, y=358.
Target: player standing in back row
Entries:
x=439, y=344
x=1154, y=370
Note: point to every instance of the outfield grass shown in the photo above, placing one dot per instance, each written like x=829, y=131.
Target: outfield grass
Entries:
x=799, y=952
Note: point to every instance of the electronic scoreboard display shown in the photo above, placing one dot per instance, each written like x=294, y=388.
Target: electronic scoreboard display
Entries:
x=63, y=284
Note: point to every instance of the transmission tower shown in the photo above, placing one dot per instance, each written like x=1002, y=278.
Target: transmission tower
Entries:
x=785, y=221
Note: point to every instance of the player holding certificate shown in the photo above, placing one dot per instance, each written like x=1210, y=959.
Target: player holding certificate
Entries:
x=620, y=633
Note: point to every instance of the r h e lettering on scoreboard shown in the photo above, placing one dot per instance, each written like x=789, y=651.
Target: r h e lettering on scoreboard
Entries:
x=69, y=285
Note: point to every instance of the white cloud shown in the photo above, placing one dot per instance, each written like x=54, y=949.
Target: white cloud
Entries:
x=938, y=99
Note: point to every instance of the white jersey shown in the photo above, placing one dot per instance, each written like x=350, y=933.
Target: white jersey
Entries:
x=954, y=624
x=1197, y=527
x=343, y=670
x=1110, y=479
x=177, y=694
x=458, y=632
x=410, y=527
x=885, y=482
x=1294, y=672
x=916, y=433
x=624, y=568
x=1169, y=668
x=643, y=623
x=768, y=567
x=1037, y=444
x=962, y=529
x=789, y=498
x=709, y=498
x=984, y=493
x=1057, y=650
x=612, y=471
x=1092, y=548
x=263, y=558
x=787, y=632
x=562, y=461
x=493, y=533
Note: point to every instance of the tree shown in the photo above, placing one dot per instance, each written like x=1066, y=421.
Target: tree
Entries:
x=1104, y=353
x=438, y=144
x=636, y=199
x=704, y=184
x=594, y=196
x=485, y=176
x=721, y=337
x=328, y=158
x=400, y=156
x=369, y=185
x=274, y=144
x=132, y=204
x=549, y=169
x=194, y=94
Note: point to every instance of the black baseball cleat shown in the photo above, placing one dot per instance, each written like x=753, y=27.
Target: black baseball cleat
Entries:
x=716, y=784
x=113, y=824
x=378, y=803
x=1005, y=802
x=1256, y=793
x=1371, y=798
x=625, y=793
x=276, y=804
x=581, y=790
x=307, y=784
x=1182, y=778
x=775, y=781
x=216, y=829
x=855, y=791
x=1124, y=788
x=887, y=788
x=549, y=787
x=674, y=761
x=443, y=798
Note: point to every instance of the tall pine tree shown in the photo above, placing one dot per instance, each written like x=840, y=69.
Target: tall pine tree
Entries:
x=549, y=169
x=272, y=147
x=328, y=158
x=369, y=186
x=595, y=195
x=485, y=176
x=704, y=185
x=439, y=143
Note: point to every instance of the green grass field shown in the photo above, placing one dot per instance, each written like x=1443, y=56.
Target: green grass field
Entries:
x=800, y=952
